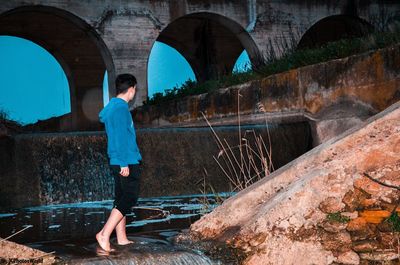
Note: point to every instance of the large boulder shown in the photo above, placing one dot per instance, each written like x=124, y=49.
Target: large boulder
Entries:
x=324, y=207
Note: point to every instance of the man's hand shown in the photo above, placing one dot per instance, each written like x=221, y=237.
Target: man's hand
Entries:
x=124, y=171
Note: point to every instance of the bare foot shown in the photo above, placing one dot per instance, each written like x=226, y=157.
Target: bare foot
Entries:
x=124, y=242
x=104, y=242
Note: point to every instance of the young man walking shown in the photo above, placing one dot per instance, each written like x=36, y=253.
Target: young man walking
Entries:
x=125, y=159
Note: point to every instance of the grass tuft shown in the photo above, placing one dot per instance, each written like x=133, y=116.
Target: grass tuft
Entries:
x=394, y=221
x=337, y=217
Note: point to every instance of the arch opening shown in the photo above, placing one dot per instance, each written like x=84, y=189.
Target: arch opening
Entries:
x=79, y=50
x=211, y=43
x=334, y=28
x=167, y=69
x=30, y=79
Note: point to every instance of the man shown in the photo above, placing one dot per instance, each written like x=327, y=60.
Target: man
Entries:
x=125, y=159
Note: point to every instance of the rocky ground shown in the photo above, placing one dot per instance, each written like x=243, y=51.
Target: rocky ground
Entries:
x=327, y=207
x=13, y=253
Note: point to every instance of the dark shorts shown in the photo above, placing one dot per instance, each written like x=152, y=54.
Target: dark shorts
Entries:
x=126, y=188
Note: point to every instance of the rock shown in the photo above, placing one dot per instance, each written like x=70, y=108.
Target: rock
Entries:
x=284, y=224
x=303, y=234
x=336, y=242
x=348, y=257
x=362, y=235
x=257, y=240
x=360, y=229
x=385, y=227
x=353, y=198
x=296, y=220
x=364, y=246
x=314, y=217
x=357, y=224
x=388, y=240
x=352, y=215
x=288, y=252
x=372, y=187
x=380, y=256
x=375, y=216
x=333, y=227
x=331, y=205
x=367, y=203
x=390, y=206
x=307, y=185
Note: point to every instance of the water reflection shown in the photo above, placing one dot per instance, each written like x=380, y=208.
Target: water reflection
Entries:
x=69, y=229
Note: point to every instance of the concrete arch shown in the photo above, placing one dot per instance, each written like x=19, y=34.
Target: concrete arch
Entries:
x=210, y=42
x=80, y=51
x=333, y=28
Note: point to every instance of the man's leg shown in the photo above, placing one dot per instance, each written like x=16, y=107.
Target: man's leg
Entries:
x=121, y=233
x=103, y=237
x=130, y=191
x=120, y=228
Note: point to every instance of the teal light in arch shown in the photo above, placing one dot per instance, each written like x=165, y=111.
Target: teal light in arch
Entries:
x=33, y=85
x=167, y=68
x=106, y=94
x=243, y=63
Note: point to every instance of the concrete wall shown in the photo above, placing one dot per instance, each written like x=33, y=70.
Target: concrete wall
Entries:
x=73, y=167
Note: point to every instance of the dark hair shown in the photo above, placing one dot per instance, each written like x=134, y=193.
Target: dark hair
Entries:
x=123, y=82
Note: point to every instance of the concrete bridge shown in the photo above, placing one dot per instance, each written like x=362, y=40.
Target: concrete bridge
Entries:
x=89, y=37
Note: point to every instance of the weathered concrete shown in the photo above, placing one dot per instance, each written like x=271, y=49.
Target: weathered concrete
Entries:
x=368, y=82
x=283, y=219
x=71, y=167
x=332, y=96
x=89, y=37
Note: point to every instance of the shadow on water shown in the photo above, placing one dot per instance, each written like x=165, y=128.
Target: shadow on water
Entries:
x=69, y=230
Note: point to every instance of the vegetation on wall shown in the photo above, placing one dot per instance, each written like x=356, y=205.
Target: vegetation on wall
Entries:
x=290, y=58
x=8, y=126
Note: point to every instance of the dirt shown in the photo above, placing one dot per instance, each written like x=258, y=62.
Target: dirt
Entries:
x=11, y=252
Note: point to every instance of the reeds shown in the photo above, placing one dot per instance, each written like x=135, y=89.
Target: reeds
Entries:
x=205, y=200
x=247, y=162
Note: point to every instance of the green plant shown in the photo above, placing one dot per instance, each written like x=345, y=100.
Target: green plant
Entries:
x=3, y=115
x=11, y=126
x=394, y=221
x=337, y=217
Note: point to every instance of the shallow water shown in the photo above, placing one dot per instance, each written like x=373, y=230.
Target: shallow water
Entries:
x=69, y=230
